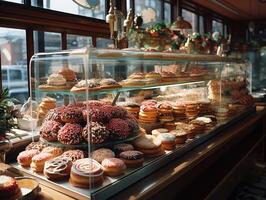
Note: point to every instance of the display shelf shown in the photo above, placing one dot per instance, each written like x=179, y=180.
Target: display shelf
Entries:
x=123, y=89
x=112, y=185
x=85, y=146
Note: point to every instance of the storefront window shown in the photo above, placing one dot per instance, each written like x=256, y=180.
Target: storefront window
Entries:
x=103, y=42
x=190, y=17
x=47, y=41
x=150, y=11
x=69, y=6
x=217, y=26
x=14, y=62
x=78, y=41
x=167, y=12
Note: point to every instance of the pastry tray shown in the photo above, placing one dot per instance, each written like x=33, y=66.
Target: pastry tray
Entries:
x=111, y=185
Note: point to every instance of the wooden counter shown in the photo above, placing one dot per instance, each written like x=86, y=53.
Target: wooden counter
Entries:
x=203, y=172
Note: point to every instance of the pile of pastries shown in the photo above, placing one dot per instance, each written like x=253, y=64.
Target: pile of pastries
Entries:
x=68, y=124
x=9, y=188
x=66, y=79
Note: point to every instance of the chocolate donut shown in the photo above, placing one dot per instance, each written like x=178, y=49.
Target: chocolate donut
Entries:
x=70, y=134
x=98, y=133
x=132, y=158
x=119, y=148
x=49, y=130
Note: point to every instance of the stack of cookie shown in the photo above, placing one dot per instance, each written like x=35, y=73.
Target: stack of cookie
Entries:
x=204, y=107
x=132, y=108
x=179, y=111
x=192, y=110
x=199, y=126
x=47, y=104
x=165, y=112
x=148, y=112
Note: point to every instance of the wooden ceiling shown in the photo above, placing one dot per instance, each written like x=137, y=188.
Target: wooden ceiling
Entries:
x=237, y=9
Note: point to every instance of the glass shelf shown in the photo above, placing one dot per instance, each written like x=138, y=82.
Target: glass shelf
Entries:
x=124, y=89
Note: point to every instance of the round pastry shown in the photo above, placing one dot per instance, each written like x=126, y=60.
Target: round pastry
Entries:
x=70, y=134
x=37, y=163
x=86, y=85
x=132, y=158
x=72, y=115
x=199, y=126
x=180, y=135
x=133, y=82
x=149, y=145
x=118, y=129
x=109, y=83
x=137, y=75
x=55, y=114
x=132, y=124
x=115, y=111
x=113, y=166
x=118, y=148
x=55, y=151
x=168, y=141
x=168, y=76
x=25, y=157
x=188, y=128
x=57, y=168
x=100, y=154
x=36, y=145
x=86, y=173
x=9, y=188
x=49, y=130
x=98, y=133
x=74, y=155
x=68, y=74
x=153, y=75
x=101, y=114
x=158, y=131
x=56, y=80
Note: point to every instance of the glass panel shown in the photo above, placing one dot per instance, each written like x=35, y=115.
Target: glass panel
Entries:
x=190, y=17
x=201, y=25
x=167, y=12
x=150, y=10
x=47, y=41
x=78, y=41
x=68, y=6
x=15, y=1
x=103, y=42
x=14, y=62
x=217, y=26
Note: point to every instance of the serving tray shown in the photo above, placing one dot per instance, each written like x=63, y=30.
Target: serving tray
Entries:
x=111, y=185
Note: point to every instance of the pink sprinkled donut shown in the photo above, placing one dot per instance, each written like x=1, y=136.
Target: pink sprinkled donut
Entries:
x=55, y=114
x=118, y=128
x=49, y=130
x=72, y=115
x=70, y=134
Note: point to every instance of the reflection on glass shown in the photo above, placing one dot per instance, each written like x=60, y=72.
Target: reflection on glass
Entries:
x=167, y=12
x=68, y=6
x=78, y=41
x=217, y=27
x=150, y=10
x=103, y=42
x=14, y=62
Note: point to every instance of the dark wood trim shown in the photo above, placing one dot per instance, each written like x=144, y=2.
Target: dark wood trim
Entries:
x=30, y=52
x=64, y=41
x=40, y=19
x=162, y=11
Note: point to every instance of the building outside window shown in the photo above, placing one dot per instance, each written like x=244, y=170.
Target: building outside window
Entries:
x=217, y=26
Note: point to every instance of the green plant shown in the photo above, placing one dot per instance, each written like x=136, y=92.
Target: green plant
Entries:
x=7, y=114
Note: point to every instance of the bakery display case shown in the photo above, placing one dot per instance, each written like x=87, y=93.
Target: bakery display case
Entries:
x=108, y=118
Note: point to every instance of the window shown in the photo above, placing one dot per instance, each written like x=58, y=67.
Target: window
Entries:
x=103, y=42
x=69, y=6
x=201, y=25
x=217, y=26
x=225, y=30
x=47, y=41
x=190, y=17
x=78, y=41
x=13, y=62
x=167, y=13
x=150, y=11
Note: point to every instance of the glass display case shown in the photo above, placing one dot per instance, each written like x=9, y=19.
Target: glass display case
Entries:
x=129, y=112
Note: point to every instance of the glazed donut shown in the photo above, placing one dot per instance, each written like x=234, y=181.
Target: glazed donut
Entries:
x=113, y=166
x=57, y=168
x=25, y=157
x=38, y=161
